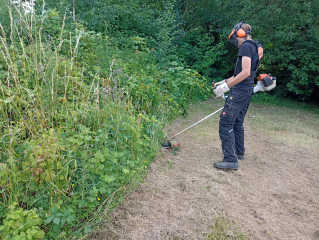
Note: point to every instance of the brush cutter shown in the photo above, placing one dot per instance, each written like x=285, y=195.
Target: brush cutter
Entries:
x=265, y=83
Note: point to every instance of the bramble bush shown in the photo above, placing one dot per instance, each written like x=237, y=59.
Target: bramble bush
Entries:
x=21, y=224
x=81, y=119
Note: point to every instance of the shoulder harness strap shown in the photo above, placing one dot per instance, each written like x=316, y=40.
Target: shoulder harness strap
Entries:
x=260, y=51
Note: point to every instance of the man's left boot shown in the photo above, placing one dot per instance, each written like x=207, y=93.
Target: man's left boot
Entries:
x=226, y=165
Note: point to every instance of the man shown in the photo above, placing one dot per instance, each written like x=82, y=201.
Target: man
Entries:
x=231, y=129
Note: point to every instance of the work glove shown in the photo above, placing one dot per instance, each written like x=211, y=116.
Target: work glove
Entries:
x=221, y=89
x=219, y=83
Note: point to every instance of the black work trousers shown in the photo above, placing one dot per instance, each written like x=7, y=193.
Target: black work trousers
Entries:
x=231, y=129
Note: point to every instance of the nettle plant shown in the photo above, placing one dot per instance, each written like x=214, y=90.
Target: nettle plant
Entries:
x=21, y=224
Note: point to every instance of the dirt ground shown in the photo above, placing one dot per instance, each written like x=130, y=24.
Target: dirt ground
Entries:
x=273, y=195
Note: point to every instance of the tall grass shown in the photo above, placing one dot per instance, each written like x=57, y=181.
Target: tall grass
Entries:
x=81, y=119
x=68, y=139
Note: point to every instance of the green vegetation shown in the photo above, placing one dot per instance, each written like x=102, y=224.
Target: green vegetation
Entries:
x=224, y=228
x=81, y=119
x=288, y=125
x=266, y=98
x=290, y=41
x=24, y=224
x=83, y=104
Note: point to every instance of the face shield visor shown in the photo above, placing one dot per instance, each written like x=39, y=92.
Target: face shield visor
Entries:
x=233, y=38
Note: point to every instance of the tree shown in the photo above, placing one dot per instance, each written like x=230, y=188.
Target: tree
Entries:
x=290, y=40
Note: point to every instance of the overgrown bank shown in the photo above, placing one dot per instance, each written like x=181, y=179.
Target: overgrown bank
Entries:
x=82, y=104
x=81, y=118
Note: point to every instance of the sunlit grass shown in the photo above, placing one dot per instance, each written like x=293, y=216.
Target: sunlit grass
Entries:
x=283, y=124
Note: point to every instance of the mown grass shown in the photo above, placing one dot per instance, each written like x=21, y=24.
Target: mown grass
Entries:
x=267, y=99
x=286, y=125
x=226, y=228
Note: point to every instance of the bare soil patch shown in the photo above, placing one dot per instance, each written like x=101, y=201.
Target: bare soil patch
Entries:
x=273, y=195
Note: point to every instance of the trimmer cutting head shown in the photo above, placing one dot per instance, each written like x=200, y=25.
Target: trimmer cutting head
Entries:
x=171, y=143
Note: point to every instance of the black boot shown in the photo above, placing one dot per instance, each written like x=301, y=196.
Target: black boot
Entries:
x=226, y=165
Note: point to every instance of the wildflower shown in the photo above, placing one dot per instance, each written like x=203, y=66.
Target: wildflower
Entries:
x=98, y=199
x=148, y=87
x=104, y=90
x=145, y=161
x=73, y=185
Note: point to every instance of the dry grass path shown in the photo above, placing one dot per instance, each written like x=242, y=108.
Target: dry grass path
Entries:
x=274, y=194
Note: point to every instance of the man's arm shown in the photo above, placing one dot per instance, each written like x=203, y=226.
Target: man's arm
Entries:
x=245, y=72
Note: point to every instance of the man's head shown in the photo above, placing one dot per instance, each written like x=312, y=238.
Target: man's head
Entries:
x=240, y=33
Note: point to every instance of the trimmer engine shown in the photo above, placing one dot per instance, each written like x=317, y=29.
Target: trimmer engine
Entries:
x=265, y=83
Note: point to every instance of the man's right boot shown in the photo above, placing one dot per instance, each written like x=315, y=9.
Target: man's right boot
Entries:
x=226, y=165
